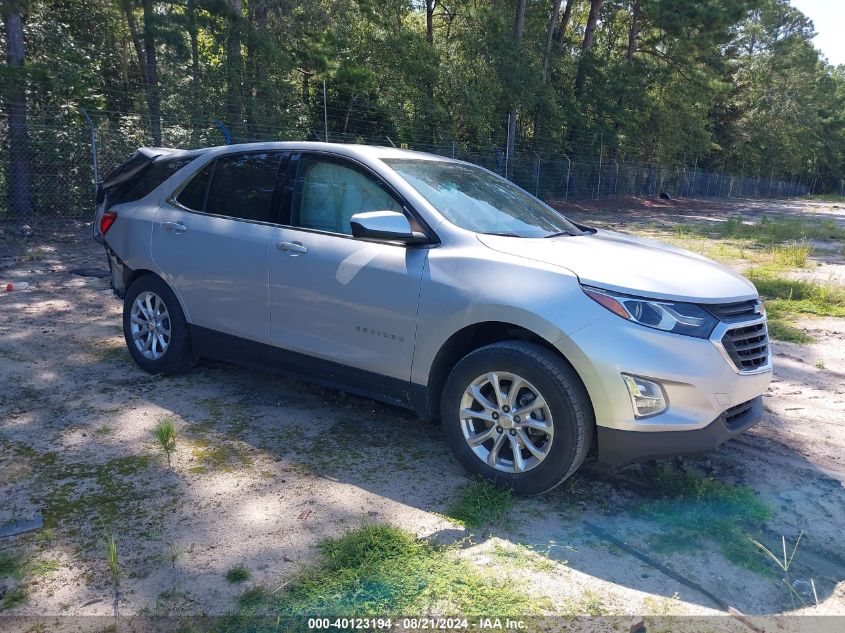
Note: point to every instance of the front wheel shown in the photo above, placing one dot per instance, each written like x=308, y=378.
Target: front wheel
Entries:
x=154, y=327
x=518, y=415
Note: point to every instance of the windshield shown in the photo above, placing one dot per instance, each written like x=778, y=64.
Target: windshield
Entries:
x=480, y=201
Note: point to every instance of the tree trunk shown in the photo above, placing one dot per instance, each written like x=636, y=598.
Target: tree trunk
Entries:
x=546, y=55
x=430, y=6
x=560, y=31
x=151, y=67
x=518, y=29
x=632, y=33
x=196, y=115
x=629, y=60
x=20, y=188
x=234, y=64
x=550, y=35
x=586, y=45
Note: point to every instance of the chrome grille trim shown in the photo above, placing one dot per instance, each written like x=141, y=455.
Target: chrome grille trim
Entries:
x=744, y=345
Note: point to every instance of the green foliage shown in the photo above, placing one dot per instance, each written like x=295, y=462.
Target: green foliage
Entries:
x=14, y=598
x=165, y=436
x=479, y=504
x=380, y=569
x=785, y=298
x=694, y=510
x=238, y=574
x=112, y=559
x=729, y=85
x=10, y=566
x=778, y=230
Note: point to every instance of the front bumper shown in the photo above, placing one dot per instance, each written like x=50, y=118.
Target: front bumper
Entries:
x=617, y=448
x=701, y=384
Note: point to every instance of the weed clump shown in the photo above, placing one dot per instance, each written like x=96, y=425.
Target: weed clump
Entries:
x=479, y=504
x=383, y=569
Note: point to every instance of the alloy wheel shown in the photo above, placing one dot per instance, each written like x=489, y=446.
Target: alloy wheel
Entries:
x=150, y=325
x=506, y=422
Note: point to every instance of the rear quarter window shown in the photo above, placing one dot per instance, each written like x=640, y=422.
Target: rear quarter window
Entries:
x=158, y=171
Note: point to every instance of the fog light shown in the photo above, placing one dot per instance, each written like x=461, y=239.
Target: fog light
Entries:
x=646, y=395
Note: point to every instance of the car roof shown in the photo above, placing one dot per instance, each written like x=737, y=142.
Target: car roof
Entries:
x=347, y=149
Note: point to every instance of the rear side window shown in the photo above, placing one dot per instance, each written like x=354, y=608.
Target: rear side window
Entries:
x=243, y=186
x=158, y=171
x=193, y=195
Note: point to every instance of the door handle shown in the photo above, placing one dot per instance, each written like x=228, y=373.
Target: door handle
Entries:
x=176, y=227
x=294, y=248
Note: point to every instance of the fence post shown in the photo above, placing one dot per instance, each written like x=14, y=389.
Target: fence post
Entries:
x=508, y=146
x=598, y=184
x=616, y=179
x=225, y=131
x=325, y=113
x=537, y=175
x=93, y=131
x=568, y=169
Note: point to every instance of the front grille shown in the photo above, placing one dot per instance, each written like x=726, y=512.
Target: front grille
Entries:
x=734, y=414
x=733, y=311
x=748, y=346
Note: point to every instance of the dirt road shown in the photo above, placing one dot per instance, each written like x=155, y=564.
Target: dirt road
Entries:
x=265, y=468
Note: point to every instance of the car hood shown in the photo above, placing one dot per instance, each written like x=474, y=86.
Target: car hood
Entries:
x=632, y=265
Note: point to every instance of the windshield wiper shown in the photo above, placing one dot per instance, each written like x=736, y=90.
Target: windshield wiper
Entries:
x=559, y=233
x=502, y=234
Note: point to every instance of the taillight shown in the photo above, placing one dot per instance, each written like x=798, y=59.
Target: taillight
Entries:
x=106, y=221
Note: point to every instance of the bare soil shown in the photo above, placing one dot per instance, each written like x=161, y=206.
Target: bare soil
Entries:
x=266, y=467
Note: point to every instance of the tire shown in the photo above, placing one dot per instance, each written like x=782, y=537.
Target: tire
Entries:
x=177, y=355
x=532, y=370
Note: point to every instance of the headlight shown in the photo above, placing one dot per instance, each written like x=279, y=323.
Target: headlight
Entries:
x=669, y=316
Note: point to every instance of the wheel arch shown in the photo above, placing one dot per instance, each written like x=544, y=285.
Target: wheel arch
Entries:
x=468, y=339
x=129, y=276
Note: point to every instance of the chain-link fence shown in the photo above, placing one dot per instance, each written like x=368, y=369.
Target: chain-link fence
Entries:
x=64, y=155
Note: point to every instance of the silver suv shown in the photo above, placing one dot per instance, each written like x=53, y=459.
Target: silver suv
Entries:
x=435, y=285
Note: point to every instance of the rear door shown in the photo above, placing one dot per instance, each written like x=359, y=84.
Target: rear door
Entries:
x=211, y=241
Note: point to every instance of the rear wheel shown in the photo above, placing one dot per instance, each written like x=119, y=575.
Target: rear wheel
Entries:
x=517, y=415
x=154, y=327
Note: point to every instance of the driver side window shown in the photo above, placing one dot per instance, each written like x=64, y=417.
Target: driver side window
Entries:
x=328, y=193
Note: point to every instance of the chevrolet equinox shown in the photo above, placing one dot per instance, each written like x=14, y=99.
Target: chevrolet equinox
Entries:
x=435, y=285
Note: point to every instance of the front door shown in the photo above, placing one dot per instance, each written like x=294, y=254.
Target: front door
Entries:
x=335, y=297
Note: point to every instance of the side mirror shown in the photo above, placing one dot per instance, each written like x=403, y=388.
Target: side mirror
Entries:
x=385, y=225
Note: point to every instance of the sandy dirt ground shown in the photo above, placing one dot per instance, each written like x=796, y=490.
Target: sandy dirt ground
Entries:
x=267, y=467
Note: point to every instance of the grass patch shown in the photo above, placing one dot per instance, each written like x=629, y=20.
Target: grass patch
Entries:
x=792, y=255
x=827, y=197
x=382, y=569
x=695, y=510
x=14, y=598
x=590, y=603
x=10, y=566
x=234, y=416
x=779, y=230
x=217, y=457
x=35, y=255
x=237, y=574
x=45, y=567
x=522, y=557
x=785, y=298
x=479, y=503
x=102, y=493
